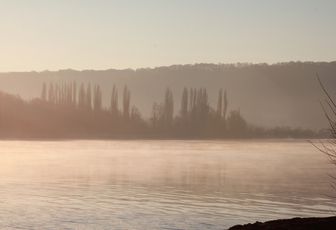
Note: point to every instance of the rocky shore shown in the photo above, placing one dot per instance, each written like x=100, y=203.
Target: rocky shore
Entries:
x=324, y=223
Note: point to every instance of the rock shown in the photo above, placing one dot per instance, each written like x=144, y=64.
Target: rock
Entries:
x=324, y=223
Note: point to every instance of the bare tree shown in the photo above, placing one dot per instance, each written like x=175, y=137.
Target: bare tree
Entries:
x=328, y=146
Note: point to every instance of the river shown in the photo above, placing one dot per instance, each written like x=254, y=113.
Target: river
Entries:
x=160, y=184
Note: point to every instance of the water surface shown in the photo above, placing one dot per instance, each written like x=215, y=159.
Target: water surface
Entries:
x=160, y=184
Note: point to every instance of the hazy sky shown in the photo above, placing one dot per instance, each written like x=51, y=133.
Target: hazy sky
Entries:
x=101, y=34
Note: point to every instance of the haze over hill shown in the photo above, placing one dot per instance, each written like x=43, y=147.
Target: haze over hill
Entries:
x=284, y=94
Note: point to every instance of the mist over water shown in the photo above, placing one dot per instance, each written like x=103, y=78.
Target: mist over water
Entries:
x=160, y=184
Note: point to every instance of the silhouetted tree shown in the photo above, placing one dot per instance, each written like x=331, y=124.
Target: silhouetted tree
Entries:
x=44, y=92
x=88, y=101
x=191, y=100
x=97, y=98
x=126, y=102
x=194, y=98
x=156, y=115
x=66, y=112
x=69, y=99
x=184, y=103
x=74, y=93
x=220, y=104
x=168, y=108
x=81, y=97
x=236, y=124
x=135, y=114
x=328, y=146
x=201, y=105
x=114, y=102
x=51, y=93
x=225, y=106
x=57, y=94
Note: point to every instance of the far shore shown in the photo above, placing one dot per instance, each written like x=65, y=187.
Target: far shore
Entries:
x=150, y=139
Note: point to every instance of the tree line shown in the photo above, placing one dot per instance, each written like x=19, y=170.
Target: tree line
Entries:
x=71, y=110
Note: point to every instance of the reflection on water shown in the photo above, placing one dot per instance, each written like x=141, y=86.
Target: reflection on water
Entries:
x=159, y=184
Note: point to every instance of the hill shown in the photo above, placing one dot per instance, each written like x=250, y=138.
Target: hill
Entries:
x=283, y=94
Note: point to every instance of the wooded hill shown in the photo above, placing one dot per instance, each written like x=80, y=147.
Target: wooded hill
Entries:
x=284, y=94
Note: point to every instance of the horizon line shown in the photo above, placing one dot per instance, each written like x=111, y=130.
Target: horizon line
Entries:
x=235, y=64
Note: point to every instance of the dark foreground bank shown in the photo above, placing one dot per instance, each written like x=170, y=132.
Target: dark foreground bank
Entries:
x=293, y=224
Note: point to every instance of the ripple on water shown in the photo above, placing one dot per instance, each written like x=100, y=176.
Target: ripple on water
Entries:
x=159, y=185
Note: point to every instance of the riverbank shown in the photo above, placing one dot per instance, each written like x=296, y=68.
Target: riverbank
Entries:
x=323, y=223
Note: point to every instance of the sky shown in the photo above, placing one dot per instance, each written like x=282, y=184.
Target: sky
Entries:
x=38, y=35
